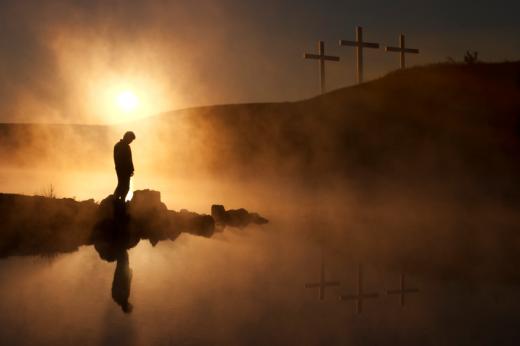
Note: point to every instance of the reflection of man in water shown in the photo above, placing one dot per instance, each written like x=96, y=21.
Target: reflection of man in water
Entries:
x=121, y=283
x=124, y=165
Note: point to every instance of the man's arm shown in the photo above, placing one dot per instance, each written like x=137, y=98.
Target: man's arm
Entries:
x=130, y=161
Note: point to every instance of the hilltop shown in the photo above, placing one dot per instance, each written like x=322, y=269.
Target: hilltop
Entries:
x=442, y=123
x=421, y=165
x=450, y=126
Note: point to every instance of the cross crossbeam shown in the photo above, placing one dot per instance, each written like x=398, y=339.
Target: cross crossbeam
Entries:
x=322, y=58
x=359, y=44
x=323, y=283
x=402, y=50
x=402, y=291
x=361, y=294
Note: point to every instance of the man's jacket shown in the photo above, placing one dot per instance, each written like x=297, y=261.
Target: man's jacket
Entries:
x=123, y=158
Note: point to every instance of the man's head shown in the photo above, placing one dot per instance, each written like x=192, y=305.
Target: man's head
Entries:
x=129, y=137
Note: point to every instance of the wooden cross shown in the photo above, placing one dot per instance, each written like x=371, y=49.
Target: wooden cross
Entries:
x=322, y=58
x=359, y=44
x=402, y=291
x=403, y=50
x=360, y=293
x=323, y=283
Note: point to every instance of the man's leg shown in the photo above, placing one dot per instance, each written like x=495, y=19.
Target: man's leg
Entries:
x=117, y=191
x=124, y=186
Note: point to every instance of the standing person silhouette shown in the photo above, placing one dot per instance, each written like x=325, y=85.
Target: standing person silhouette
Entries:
x=124, y=166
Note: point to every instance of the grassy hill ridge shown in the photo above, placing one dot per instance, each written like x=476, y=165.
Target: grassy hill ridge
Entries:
x=422, y=165
x=437, y=122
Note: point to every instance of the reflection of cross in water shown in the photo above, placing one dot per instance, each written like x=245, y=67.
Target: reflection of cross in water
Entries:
x=323, y=283
x=402, y=291
x=360, y=294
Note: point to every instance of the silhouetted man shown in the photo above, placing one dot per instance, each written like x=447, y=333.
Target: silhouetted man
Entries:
x=124, y=165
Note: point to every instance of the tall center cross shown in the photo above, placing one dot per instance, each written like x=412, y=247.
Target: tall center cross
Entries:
x=402, y=50
x=322, y=58
x=359, y=44
x=323, y=283
x=402, y=291
x=360, y=293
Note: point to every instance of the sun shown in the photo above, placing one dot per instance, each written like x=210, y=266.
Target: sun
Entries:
x=127, y=101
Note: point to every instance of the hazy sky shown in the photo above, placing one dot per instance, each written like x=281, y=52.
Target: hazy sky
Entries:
x=66, y=61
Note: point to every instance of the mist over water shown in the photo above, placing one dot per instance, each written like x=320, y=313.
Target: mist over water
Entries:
x=247, y=287
x=353, y=174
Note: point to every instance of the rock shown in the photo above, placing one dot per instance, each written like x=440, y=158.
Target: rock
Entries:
x=235, y=217
x=36, y=225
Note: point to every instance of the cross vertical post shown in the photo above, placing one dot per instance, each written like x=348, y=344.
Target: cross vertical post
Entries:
x=402, y=50
x=359, y=44
x=321, y=49
x=322, y=58
x=402, y=44
x=359, y=51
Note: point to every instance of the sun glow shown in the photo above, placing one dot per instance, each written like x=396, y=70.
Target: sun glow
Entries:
x=119, y=99
x=127, y=101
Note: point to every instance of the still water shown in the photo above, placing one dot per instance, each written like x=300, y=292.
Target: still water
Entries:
x=244, y=286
